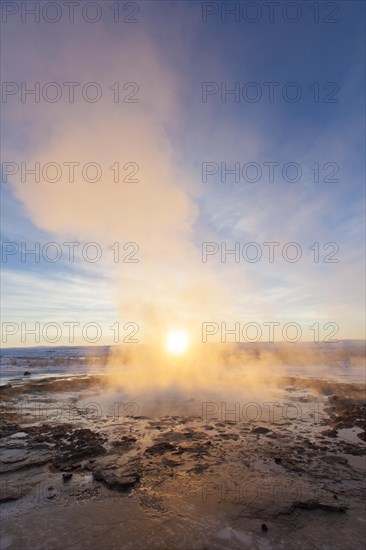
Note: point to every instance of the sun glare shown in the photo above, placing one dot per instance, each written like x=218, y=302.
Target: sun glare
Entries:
x=177, y=342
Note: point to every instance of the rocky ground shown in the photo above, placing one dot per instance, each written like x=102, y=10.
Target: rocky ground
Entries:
x=75, y=474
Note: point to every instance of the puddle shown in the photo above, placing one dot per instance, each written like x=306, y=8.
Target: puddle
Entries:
x=19, y=435
x=351, y=435
x=357, y=462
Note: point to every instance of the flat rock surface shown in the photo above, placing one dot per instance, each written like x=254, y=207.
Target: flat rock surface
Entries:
x=182, y=480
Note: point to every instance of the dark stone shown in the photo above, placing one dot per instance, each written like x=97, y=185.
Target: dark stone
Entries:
x=125, y=443
x=76, y=446
x=118, y=481
x=8, y=428
x=9, y=493
x=227, y=436
x=264, y=528
x=160, y=448
x=330, y=433
x=260, y=430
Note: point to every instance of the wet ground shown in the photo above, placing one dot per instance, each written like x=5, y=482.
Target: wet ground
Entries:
x=83, y=465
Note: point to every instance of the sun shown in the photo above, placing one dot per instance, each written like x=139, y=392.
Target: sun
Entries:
x=177, y=342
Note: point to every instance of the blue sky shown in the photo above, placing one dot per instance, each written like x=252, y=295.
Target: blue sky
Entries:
x=170, y=132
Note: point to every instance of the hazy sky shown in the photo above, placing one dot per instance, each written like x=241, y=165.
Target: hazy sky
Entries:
x=180, y=91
